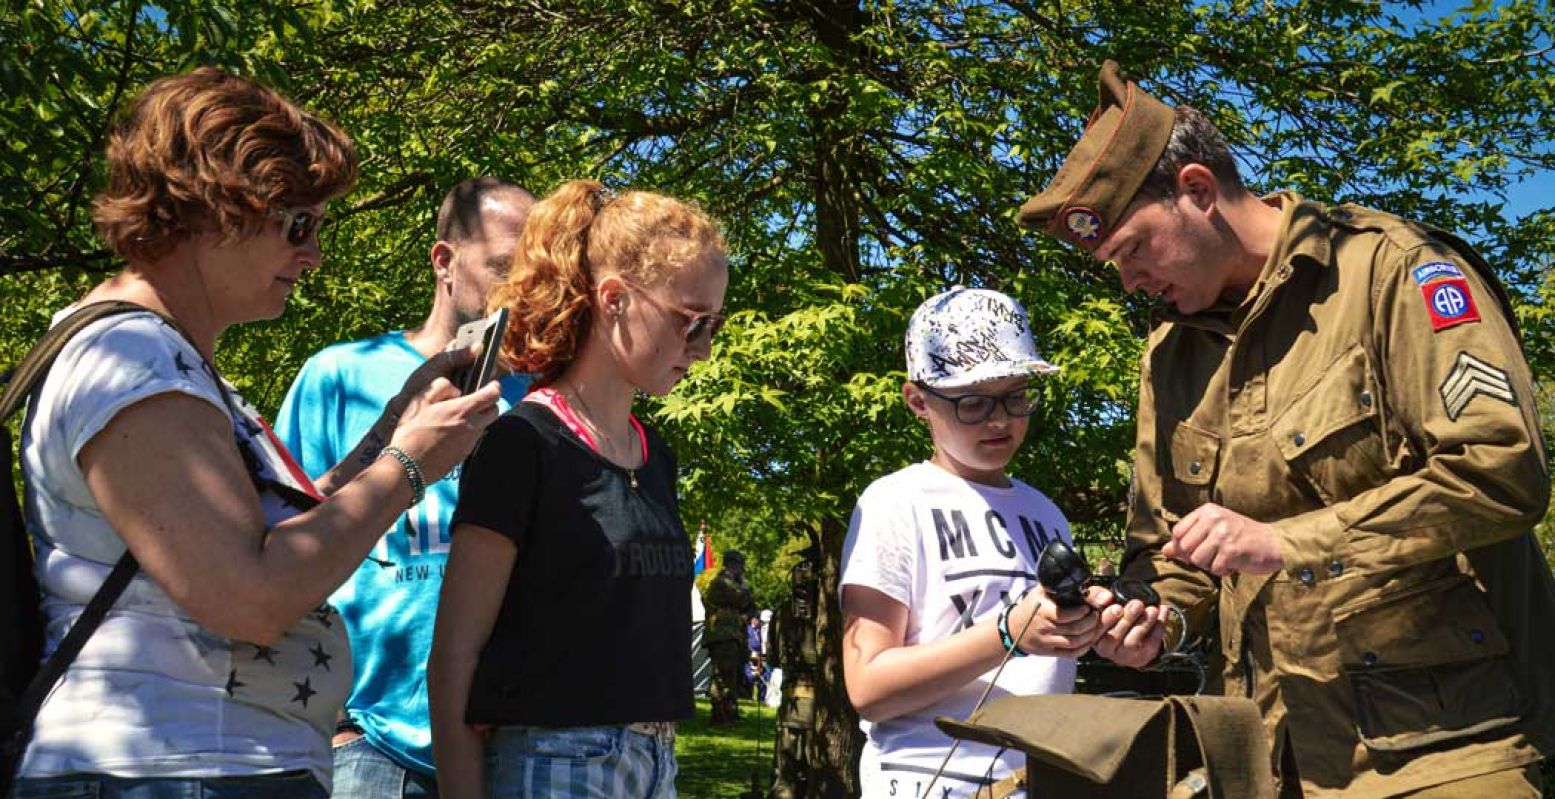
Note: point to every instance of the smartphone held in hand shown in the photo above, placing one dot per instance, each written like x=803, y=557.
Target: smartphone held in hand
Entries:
x=488, y=332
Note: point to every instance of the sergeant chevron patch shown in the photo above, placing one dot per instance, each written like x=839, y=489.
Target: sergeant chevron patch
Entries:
x=1471, y=377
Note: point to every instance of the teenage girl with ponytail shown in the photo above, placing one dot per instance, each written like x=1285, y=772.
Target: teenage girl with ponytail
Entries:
x=559, y=663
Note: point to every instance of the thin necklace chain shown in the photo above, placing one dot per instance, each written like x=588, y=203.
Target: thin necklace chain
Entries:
x=590, y=422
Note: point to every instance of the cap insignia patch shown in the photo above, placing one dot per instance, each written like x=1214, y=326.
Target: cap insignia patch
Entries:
x=1083, y=223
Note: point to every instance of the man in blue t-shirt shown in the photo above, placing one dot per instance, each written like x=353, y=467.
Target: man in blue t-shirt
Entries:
x=383, y=746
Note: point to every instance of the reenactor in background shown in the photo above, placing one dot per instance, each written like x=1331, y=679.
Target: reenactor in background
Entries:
x=729, y=603
x=1337, y=445
x=794, y=650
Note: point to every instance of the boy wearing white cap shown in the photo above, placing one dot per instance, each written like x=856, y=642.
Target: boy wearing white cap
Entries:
x=939, y=572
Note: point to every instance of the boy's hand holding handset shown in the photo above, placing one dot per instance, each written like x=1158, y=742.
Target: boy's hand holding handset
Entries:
x=1135, y=632
x=1065, y=615
x=1126, y=621
x=1040, y=625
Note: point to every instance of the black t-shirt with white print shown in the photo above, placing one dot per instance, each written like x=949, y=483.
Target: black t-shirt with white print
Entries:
x=595, y=624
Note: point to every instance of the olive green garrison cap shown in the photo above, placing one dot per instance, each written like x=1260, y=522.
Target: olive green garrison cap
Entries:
x=1123, y=139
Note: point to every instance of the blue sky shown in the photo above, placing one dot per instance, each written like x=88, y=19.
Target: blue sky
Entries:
x=1533, y=192
x=1530, y=195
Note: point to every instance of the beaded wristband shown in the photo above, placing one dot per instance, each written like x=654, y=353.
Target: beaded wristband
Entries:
x=1005, y=639
x=418, y=484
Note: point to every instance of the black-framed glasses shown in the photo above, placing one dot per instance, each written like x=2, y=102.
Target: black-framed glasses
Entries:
x=976, y=408
x=697, y=322
x=297, y=224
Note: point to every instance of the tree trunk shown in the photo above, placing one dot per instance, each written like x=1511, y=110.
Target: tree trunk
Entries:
x=818, y=737
x=838, y=738
x=834, y=740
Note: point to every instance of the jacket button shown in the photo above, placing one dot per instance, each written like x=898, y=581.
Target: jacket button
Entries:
x=1477, y=636
x=1299, y=439
x=1335, y=569
x=1366, y=399
x=1306, y=576
x=1195, y=467
x=1369, y=659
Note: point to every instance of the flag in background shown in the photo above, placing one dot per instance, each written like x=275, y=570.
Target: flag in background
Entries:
x=703, y=552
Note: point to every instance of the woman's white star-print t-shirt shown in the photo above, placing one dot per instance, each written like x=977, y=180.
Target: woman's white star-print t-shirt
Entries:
x=153, y=694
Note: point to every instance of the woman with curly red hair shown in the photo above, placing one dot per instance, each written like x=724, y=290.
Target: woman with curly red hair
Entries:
x=559, y=662
x=220, y=669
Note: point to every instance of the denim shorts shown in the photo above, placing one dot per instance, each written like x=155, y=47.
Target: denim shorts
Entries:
x=607, y=762
x=364, y=772
x=298, y=784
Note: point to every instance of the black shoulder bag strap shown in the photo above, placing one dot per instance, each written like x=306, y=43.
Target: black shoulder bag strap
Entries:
x=28, y=374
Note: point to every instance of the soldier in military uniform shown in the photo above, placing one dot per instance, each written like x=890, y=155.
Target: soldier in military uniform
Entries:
x=729, y=603
x=1338, y=447
x=794, y=651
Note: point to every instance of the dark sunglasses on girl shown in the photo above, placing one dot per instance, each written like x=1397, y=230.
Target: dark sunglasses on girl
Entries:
x=697, y=322
x=297, y=224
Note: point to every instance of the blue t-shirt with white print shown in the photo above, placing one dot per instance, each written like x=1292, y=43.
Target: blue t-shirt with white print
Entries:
x=390, y=603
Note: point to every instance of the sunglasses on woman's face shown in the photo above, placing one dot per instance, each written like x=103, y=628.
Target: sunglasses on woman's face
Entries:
x=697, y=322
x=298, y=224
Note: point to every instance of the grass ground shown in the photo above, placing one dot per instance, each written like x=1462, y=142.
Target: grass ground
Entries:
x=717, y=762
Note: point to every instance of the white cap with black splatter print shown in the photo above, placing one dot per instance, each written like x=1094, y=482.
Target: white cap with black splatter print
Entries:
x=965, y=336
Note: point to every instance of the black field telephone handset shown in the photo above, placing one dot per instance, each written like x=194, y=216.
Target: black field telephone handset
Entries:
x=1064, y=575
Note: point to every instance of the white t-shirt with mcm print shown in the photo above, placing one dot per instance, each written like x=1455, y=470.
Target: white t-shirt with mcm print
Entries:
x=153, y=694
x=954, y=553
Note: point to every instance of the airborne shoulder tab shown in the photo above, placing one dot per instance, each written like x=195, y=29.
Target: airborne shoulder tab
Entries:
x=1436, y=270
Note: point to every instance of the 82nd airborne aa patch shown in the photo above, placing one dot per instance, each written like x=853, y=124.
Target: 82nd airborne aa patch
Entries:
x=1447, y=296
x=1449, y=303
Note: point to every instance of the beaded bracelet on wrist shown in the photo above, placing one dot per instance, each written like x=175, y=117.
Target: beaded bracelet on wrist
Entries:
x=1005, y=639
x=418, y=483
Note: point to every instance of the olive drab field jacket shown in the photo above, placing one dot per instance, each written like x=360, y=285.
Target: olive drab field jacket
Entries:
x=729, y=604
x=1369, y=399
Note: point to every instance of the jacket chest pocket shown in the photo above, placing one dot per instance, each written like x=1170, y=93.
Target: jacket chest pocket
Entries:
x=1331, y=435
x=1192, y=460
x=1427, y=665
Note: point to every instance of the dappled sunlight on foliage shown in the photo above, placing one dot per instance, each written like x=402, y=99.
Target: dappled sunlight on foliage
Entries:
x=861, y=157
